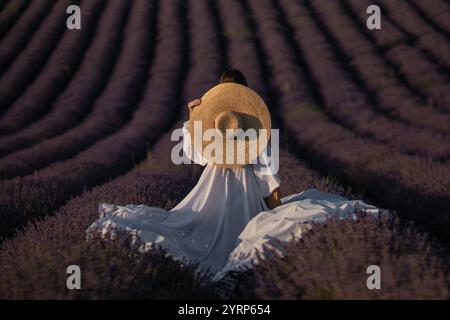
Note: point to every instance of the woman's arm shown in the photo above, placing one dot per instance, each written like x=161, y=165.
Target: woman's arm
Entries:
x=274, y=200
x=188, y=149
x=193, y=104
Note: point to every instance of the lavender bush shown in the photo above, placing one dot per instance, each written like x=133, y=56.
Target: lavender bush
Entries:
x=25, y=65
x=366, y=165
x=48, y=246
x=379, y=75
x=331, y=260
x=112, y=109
x=87, y=84
x=419, y=70
x=436, y=11
x=427, y=38
x=361, y=109
x=53, y=186
x=10, y=13
x=20, y=18
x=60, y=67
x=347, y=103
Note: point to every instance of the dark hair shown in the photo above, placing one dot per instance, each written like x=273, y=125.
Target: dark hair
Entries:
x=233, y=75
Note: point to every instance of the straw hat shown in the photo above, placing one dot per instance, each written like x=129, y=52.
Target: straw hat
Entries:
x=224, y=110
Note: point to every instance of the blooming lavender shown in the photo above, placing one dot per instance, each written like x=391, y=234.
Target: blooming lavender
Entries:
x=17, y=21
x=25, y=65
x=418, y=68
x=331, y=261
x=87, y=118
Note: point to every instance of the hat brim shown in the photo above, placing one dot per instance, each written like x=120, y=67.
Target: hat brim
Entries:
x=252, y=110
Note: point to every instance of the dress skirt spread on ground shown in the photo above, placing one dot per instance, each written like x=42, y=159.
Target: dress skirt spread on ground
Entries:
x=224, y=220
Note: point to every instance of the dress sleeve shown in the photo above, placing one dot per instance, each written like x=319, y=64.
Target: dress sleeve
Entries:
x=190, y=152
x=266, y=175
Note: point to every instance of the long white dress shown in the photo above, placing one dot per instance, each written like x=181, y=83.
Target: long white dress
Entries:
x=224, y=220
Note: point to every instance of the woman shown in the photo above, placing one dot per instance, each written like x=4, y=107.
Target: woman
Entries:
x=229, y=215
x=271, y=182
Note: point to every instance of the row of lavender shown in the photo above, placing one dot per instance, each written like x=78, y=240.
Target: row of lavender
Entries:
x=22, y=31
x=25, y=156
x=111, y=110
x=9, y=13
x=24, y=52
x=50, y=245
x=347, y=103
x=155, y=182
x=418, y=69
x=414, y=270
x=241, y=47
x=147, y=184
x=437, y=11
x=245, y=51
x=331, y=263
x=72, y=105
x=275, y=278
x=381, y=77
x=424, y=144
x=415, y=186
x=60, y=68
x=425, y=35
x=45, y=190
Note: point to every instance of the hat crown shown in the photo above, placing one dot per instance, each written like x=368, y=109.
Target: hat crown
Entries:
x=228, y=120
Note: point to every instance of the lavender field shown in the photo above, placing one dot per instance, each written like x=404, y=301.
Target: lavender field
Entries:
x=86, y=117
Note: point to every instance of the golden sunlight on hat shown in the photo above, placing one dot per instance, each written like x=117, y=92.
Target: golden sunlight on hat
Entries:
x=231, y=112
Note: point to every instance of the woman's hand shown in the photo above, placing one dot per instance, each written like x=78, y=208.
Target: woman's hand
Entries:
x=194, y=103
x=274, y=200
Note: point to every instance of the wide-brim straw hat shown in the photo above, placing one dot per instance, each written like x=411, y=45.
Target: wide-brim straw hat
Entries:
x=230, y=106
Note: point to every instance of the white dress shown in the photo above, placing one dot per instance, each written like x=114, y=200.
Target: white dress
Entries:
x=224, y=220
